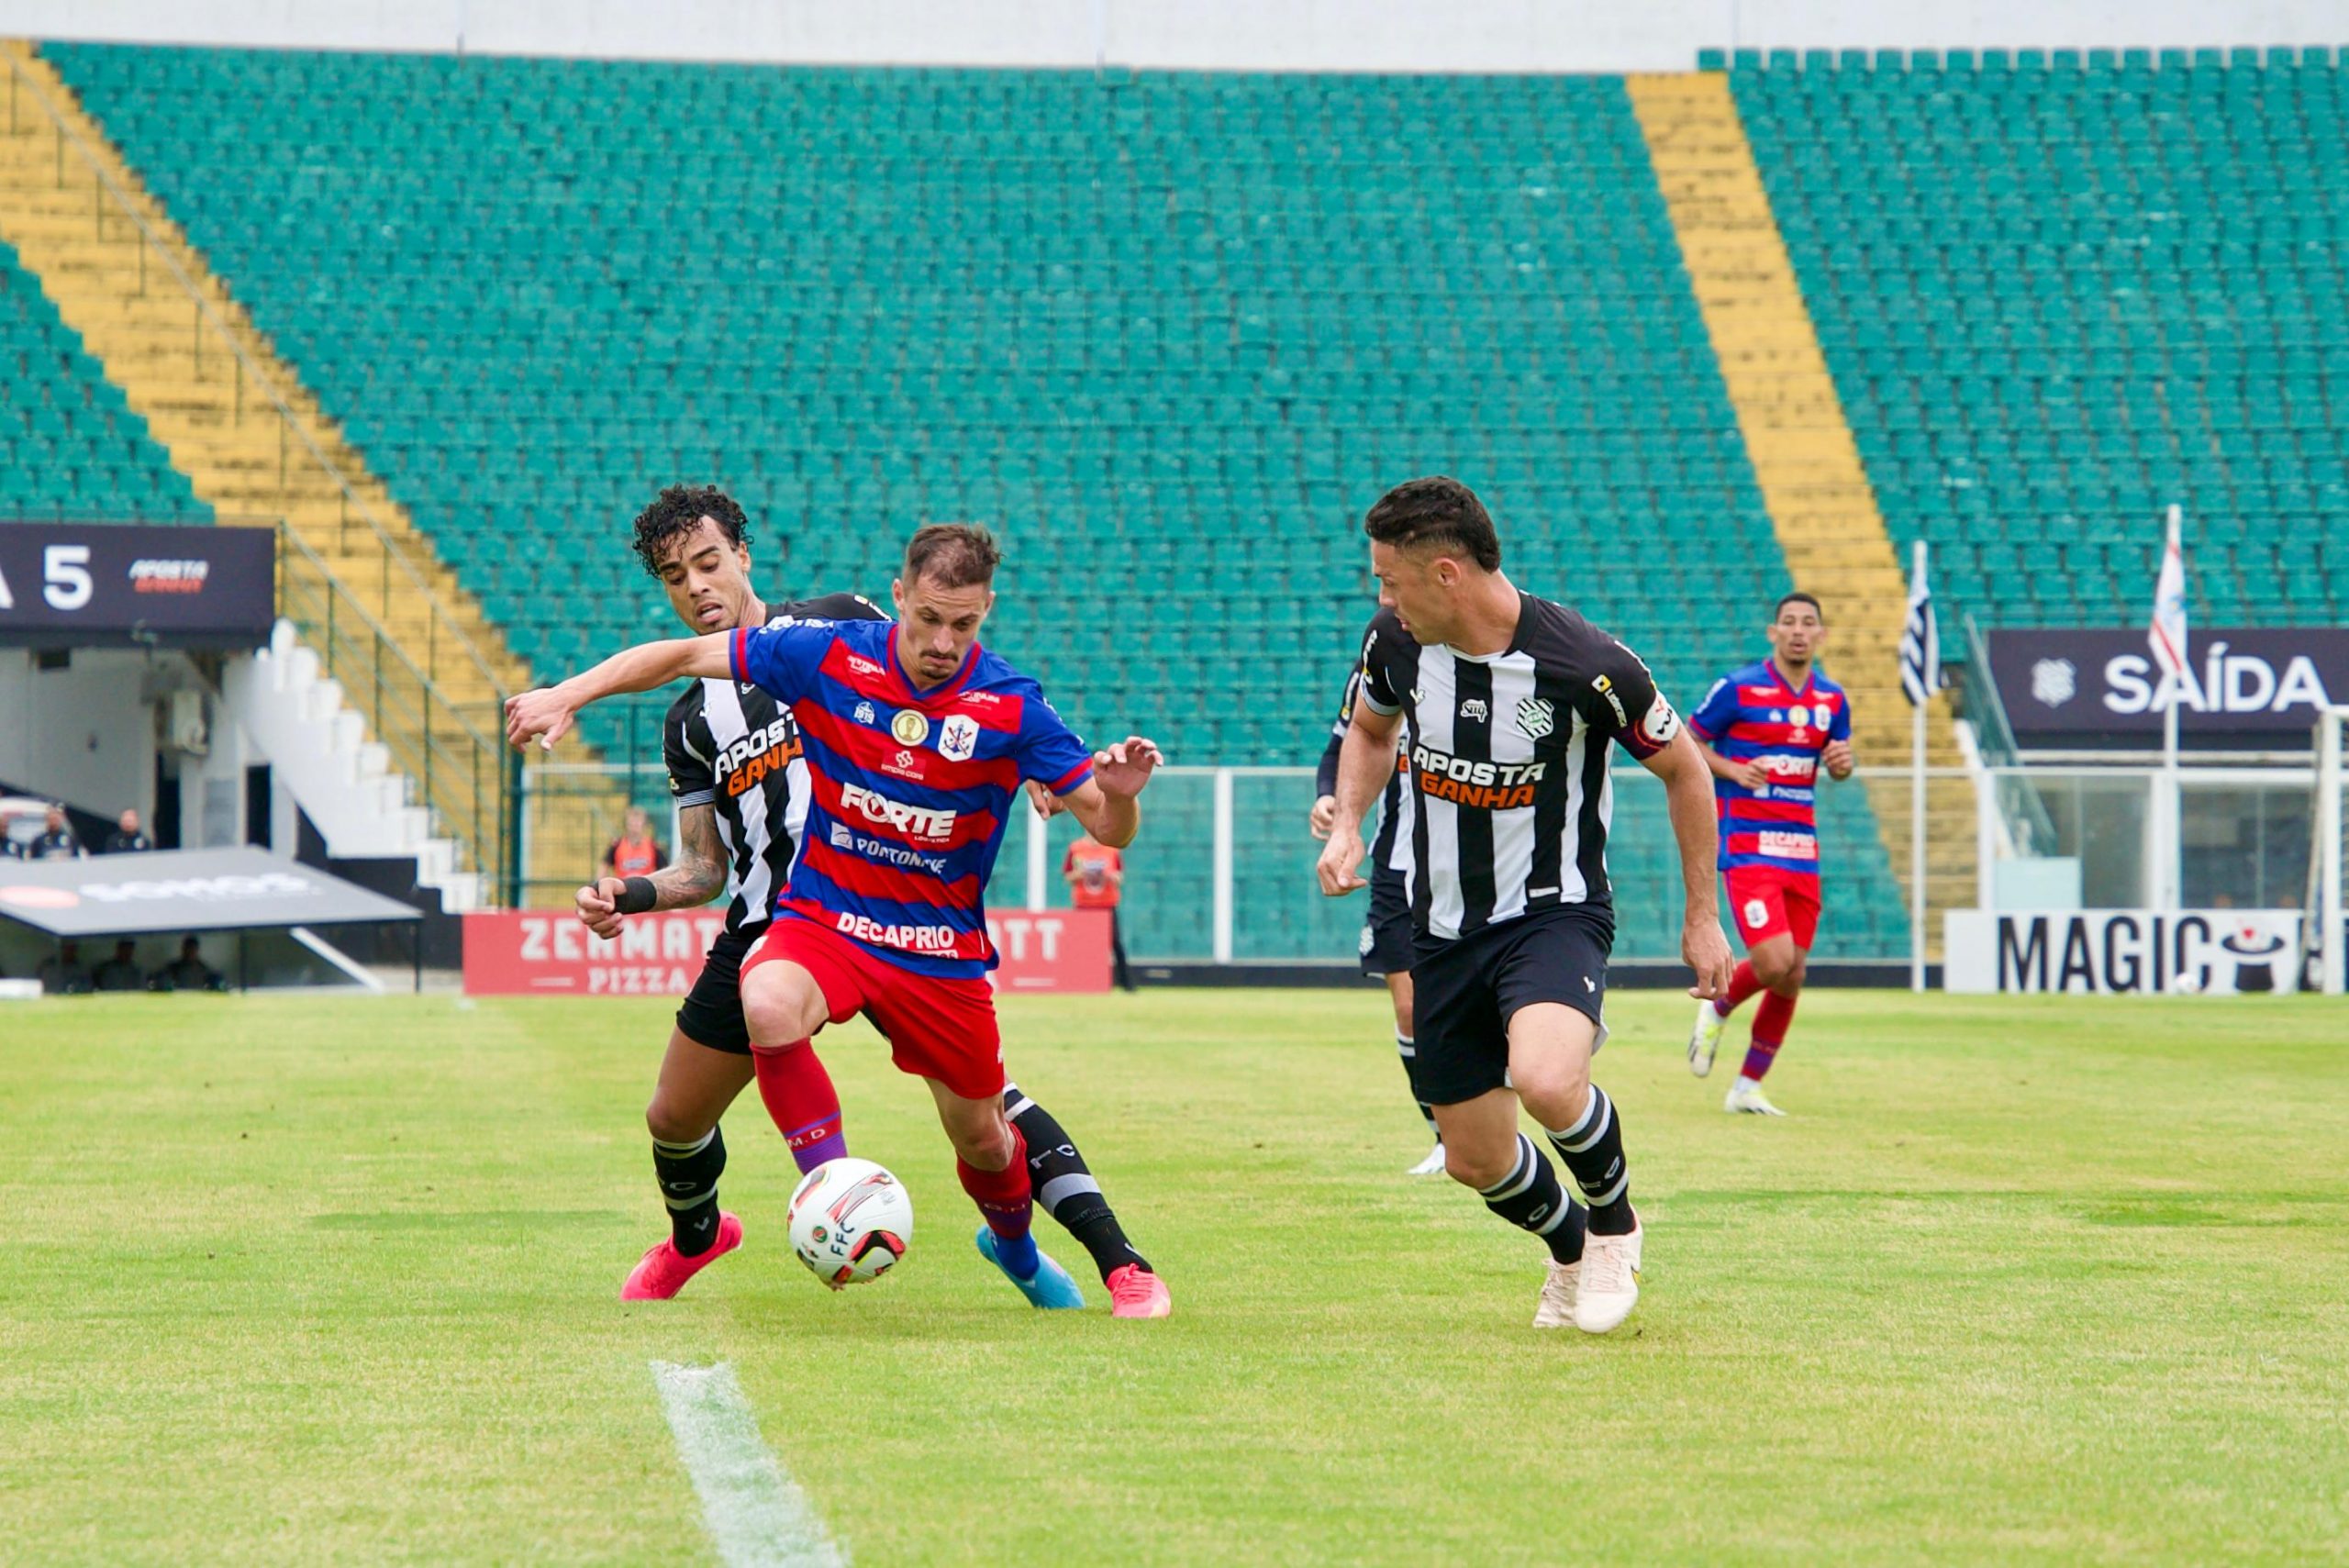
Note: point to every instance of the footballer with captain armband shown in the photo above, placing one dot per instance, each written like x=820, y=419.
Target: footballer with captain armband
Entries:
x=1769, y=730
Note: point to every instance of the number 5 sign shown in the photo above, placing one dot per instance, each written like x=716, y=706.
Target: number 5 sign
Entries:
x=67, y=584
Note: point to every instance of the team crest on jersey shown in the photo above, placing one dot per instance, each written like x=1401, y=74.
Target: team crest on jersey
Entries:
x=958, y=737
x=864, y=713
x=911, y=728
x=1537, y=719
x=1474, y=711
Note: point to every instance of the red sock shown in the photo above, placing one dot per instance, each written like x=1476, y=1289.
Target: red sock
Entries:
x=1741, y=984
x=1770, y=1021
x=801, y=1099
x=1003, y=1196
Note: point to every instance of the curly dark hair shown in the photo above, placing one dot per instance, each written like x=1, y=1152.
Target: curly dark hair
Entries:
x=1436, y=515
x=677, y=511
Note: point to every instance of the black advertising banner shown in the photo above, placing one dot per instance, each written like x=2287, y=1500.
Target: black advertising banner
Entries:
x=80, y=584
x=2090, y=686
x=183, y=890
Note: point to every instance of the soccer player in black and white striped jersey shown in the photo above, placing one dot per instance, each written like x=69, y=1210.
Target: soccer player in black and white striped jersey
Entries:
x=1513, y=704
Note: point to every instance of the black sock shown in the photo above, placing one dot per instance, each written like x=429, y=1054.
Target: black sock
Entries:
x=1405, y=1048
x=1531, y=1198
x=1064, y=1186
x=1593, y=1150
x=688, y=1173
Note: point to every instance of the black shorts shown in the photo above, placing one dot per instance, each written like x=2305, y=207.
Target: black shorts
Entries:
x=1464, y=994
x=1386, y=934
x=712, y=1013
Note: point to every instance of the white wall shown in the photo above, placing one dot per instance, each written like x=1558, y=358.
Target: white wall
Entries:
x=84, y=734
x=1337, y=35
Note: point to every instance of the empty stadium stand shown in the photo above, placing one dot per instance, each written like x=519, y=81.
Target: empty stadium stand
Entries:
x=1169, y=333
x=2060, y=290
x=69, y=446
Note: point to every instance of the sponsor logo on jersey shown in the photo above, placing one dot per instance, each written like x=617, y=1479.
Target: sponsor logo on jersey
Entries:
x=758, y=756
x=904, y=765
x=1537, y=719
x=911, y=728
x=1783, y=845
x=1474, y=711
x=842, y=838
x=864, y=713
x=860, y=665
x=1479, y=786
x=1605, y=688
x=899, y=855
x=958, y=737
x=911, y=938
x=1661, y=723
x=915, y=821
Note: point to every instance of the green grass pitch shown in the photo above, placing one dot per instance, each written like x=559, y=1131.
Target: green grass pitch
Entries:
x=2038, y=1280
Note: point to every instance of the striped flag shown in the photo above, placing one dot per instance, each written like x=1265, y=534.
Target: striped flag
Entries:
x=1920, y=640
x=2166, y=636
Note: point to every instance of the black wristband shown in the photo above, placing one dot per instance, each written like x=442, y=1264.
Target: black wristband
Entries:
x=637, y=896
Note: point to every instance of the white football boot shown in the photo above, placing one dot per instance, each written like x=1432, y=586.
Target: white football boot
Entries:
x=1559, y=1292
x=1431, y=1166
x=1705, y=1038
x=1610, y=1286
x=1746, y=1097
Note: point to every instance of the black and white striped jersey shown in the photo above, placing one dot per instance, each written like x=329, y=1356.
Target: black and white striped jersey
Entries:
x=1508, y=761
x=1391, y=849
x=732, y=746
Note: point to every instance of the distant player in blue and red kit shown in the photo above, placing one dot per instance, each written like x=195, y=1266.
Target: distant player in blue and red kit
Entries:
x=917, y=741
x=1767, y=730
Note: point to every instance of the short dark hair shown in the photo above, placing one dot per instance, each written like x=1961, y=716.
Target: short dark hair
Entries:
x=952, y=555
x=677, y=511
x=1436, y=514
x=1797, y=598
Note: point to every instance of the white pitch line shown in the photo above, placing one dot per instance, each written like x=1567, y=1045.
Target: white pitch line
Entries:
x=754, y=1512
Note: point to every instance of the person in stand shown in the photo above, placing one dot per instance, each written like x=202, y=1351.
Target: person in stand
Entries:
x=62, y=972
x=636, y=852
x=57, y=842
x=1095, y=876
x=188, y=972
x=126, y=839
x=121, y=972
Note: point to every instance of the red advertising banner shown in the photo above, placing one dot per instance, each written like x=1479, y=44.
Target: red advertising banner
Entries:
x=548, y=953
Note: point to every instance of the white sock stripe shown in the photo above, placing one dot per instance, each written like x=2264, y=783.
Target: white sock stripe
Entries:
x=1556, y=1219
x=1059, y=1187
x=678, y=1206
x=1521, y=1175
x=1611, y=1194
x=1020, y=1107
x=1600, y=1106
x=683, y=1151
x=1589, y=1112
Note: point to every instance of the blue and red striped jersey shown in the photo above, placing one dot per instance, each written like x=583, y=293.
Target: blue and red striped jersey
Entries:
x=1754, y=713
x=908, y=790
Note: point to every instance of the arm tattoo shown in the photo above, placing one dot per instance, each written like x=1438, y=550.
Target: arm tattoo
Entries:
x=698, y=874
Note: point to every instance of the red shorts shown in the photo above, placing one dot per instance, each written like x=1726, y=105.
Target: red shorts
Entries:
x=1766, y=902
x=937, y=1026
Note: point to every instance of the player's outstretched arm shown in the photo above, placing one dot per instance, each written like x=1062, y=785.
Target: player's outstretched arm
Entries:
x=1365, y=762
x=698, y=875
x=1104, y=803
x=544, y=715
x=1689, y=793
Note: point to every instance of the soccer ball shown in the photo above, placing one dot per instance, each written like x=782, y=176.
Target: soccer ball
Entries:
x=851, y=1220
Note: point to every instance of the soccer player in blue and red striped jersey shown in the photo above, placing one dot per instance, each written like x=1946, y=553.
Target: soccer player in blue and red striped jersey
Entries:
x=1768, y=731
x=917, y=743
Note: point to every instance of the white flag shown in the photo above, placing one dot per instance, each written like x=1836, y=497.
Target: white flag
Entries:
x=2166, y=636
x=1920, y=640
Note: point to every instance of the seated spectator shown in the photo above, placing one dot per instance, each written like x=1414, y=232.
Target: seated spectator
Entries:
x=62, y=974
x=120, y=973
x=187, y=972
x=56, y=842
x=126, y=839
x=636, y=852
